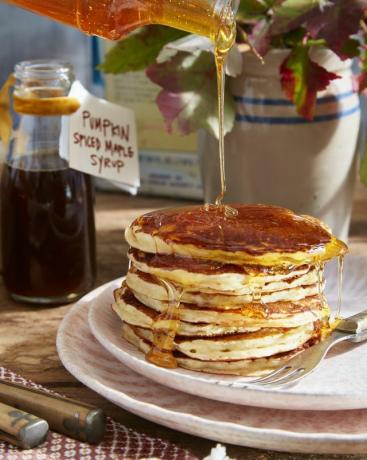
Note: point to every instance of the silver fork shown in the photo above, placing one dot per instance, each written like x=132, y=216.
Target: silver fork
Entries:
x=353, y=329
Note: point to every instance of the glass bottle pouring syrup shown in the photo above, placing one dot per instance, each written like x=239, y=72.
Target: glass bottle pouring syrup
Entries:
x=113, y=19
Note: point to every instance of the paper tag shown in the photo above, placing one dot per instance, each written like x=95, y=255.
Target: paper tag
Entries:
x=100, y=139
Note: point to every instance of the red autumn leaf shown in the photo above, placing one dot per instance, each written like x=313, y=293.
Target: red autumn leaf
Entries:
x=172, y=105
x=188, y=99
x=291, y=14
x=337, y=21
x=360, y=80
x=260, y=37
x=302, y=78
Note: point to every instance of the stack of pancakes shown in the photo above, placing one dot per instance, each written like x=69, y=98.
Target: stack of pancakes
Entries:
x=225, y=292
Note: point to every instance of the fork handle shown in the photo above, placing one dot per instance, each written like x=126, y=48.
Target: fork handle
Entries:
x=355, y=324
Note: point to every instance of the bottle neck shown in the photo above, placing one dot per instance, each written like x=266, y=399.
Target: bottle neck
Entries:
x=201, y=17
x=114, y=19
x=40, y=98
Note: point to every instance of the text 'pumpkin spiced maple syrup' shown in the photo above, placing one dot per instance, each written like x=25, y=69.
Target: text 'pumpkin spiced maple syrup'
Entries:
x=47, y=215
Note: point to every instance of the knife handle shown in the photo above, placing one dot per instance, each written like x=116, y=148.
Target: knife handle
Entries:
x=20, y=428
x=355, y=324
x=74, y=419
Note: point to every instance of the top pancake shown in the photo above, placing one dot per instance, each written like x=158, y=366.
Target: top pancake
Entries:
x=258, y=234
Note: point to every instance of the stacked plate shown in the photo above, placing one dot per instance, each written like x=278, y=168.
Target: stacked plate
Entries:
x=324, y=413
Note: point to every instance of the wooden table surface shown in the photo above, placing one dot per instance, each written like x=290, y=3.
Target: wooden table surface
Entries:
x=27, y=334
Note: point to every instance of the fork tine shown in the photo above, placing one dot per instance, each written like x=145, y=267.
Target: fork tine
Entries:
x=270, y=376
x=240, y=384
x=289, y=377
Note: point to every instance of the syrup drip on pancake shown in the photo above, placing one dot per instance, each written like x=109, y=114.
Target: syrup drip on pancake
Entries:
x=319, y=271
x=256, y=293
x=252, y=311
x=165, y=328
x=225, y=209
x=340, y=286
x=325, y=326
x=224, y=41
x=219, y=62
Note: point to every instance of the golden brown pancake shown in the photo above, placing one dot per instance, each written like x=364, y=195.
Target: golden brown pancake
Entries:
x=209, y=322
x=232, y=347
x=243, y=367
x=207, y=267
x=258, y=235
x=236, y=283
x=148, y=286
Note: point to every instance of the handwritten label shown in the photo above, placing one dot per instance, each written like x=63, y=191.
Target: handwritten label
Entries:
x=100, y=139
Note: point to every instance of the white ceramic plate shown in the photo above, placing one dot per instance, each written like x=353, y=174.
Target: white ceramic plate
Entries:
x=310, y=432
x=339, y=383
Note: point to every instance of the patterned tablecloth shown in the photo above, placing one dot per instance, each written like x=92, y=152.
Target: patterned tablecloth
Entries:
x=120, y=443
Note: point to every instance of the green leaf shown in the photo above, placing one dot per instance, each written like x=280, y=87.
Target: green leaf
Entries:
x=293, y=8
x=363, y=167
x=189, y=93
x=351, y=48
x=139, y=50
x=294, y=37
x=252, y=9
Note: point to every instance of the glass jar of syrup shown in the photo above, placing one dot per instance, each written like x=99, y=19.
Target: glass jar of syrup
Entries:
x=47, y=227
